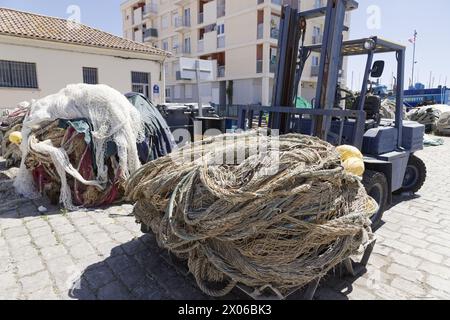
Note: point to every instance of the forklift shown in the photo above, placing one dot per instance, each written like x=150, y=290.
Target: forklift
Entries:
x=388, y=146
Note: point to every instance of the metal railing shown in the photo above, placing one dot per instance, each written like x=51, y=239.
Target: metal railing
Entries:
x=220, y=42
x=220, y=11
x=221, y=71
x=201, y=46
x=259, y=66
x=260, y=31
x=151, y=8
x=181, y=22
x=274, y=33
x=150, y=33
x=315, y=71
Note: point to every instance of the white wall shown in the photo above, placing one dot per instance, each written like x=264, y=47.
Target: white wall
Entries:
x=57, y=68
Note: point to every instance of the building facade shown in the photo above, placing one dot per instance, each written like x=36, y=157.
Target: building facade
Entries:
x=241, y=36
x=40, y=55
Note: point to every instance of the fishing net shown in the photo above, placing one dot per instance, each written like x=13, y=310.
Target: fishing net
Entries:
x=10, y=123
x=97, y=147
x=443, y=124
x=284, y=215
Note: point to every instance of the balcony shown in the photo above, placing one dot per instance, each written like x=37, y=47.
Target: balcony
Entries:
x=220, y=11
x=315, y=71
x=317, y=39
x=259, y=66
x=221, y=42
x=150, y=34
x=150, y=10
x=274, y=33
x=221, y=72
x=182, y=23
x=181, y=2
x=201, y=46
x=273, y=67
x=260, y=31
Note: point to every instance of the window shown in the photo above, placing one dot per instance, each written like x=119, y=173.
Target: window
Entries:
x=188, y=91
x=315, y=61
x=18, y=74
x=165, y=22
x=165, y=44
x=90, y=75
x=140, y=83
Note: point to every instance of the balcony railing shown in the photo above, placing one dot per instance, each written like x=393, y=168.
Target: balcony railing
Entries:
x=315, y=71
x=150, y=33
x=221, y=71
x=260, y=32
x=259, y=66
x=220, y=11
x=273, y=67
x=221, y=42
x=274, y=33
x=317, y=39
x=183, y=22
x=201, y=46
x=151, y=8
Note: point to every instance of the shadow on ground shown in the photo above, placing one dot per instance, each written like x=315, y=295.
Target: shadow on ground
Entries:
x=140, y=270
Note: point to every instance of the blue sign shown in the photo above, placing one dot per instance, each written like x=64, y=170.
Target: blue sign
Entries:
x=156, y=89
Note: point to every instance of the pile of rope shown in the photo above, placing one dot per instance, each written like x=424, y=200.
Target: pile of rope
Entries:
x=12, y=122
x=283, y=216
x=443, y=124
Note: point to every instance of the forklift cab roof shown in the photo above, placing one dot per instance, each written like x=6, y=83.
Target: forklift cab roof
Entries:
x=357, y=47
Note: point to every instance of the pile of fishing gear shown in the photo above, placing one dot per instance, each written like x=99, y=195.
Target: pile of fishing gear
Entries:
x=79, y=146
x=254, y=209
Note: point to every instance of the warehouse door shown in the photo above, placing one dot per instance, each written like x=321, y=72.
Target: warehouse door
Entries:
x=140, y=83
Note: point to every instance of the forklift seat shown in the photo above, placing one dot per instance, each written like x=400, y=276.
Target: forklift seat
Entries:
x=372, y=107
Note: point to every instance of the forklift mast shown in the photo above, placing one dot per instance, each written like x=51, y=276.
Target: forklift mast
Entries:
x=291, y=61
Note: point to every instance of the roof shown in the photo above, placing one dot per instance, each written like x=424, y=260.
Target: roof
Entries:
x=33, y=26
x=356, y=47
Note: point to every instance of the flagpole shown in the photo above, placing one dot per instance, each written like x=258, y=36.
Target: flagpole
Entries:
x=414, y=58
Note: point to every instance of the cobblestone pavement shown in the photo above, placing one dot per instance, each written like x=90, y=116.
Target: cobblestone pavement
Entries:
x=103, y=255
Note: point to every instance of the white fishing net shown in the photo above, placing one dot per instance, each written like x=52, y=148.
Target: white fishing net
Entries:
x=113, y=119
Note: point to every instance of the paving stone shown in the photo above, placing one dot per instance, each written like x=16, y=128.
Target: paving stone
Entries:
x=64, y=229
x=15, y=232
x=7, y=281
x=439, y=283
x=407, y=260
x=99, y=276
x=428, y=255
x=50, y=253
x=81, y=251
x=29, y=267
x=435, y=269
x=412, y=288
x=46, y=293
x=61, y=265
x=19, y=242
x=40, y=232
x=405, y=272
x=120, y=263
x=25, y=253
x=33, y=283
x=37, y=223
x=48, y=240
x=114, y=291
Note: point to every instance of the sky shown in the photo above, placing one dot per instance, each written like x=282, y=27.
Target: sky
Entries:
x=393, y=20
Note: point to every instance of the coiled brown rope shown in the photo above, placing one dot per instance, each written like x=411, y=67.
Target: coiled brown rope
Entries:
x=258, y=222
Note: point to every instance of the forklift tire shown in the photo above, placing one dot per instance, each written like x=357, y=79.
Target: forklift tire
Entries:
x=377, y=187
x=415, y=176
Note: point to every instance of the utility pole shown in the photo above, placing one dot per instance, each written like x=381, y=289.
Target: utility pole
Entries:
x=413, y=41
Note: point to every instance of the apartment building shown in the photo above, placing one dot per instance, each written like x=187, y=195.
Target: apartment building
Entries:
x=240, y=36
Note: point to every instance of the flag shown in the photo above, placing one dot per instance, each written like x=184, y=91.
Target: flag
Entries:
x=412, y=40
